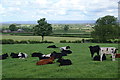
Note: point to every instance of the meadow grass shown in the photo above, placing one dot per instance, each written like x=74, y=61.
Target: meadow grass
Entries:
x=83, y=66
x=38, y=38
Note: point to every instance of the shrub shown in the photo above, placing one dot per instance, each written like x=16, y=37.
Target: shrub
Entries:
x=63, y=41
x=7, y=41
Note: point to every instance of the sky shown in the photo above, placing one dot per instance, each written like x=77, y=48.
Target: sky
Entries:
x=33, y=10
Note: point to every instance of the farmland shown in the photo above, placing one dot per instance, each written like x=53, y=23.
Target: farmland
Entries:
x=82, y=67
x=38, y=38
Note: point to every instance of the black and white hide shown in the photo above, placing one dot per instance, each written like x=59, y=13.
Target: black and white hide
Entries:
x=108, y=50
x=65, y=48
x=22, y=55
x=14, y=55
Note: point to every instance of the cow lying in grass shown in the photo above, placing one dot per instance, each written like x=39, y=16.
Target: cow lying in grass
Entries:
x=65, y=48
x=14, y=55
x=22, y=55
x=57, y=55
x=64, y=62
x=66, y=51
x=117, y=56
x=97, y=57
x=3, y=56
x=108, y=50
x=45, y=61
x=40, y=55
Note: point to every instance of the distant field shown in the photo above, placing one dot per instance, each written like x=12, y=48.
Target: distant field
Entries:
x=82, y=67
x=38, y=38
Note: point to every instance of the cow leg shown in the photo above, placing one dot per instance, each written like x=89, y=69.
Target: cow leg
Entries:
x=113, y=57
x=101, y=55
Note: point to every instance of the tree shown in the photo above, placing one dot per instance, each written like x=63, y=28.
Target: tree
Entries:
x=13, y=27
x=66, y=27
x=42, y=29
x=106, y=28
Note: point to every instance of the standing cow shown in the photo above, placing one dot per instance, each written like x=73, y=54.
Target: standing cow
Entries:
x=108, y=50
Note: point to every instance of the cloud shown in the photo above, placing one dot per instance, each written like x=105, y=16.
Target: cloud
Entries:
x=57, y=9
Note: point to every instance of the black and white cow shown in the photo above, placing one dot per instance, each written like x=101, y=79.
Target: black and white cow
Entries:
x=64, y=62
x=22, y=55
x=3, y=56
x=14, y=55
x=65, y=48
x=66, y=51
x=94, y=49
x=57, y=55
x=108, y=50
x=36, y=54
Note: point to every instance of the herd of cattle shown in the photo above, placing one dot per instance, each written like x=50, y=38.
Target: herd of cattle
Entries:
x=49, y=58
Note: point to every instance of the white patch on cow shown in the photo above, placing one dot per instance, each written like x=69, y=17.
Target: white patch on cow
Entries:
x=63, y=48
x=48, y=55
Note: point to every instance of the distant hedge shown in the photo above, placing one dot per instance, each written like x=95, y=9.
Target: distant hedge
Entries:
x=11, y=41
x=90, y=41
x=64, y=41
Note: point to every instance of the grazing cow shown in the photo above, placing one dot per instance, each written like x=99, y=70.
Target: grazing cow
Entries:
x=52, y=46
x=64, y=62
x=45, y=61
x=97, y=57
x=117, y=56
x=3, y=56
x=66, y=51
x=94, y=49
x=108, y=50
x=14, y=55
x=22, y=55
x=65, y=48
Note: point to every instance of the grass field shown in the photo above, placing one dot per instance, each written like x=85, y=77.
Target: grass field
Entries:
x=82, y=67
x=38, y=38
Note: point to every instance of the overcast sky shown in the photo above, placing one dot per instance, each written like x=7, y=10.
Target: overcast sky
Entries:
x=30, y=10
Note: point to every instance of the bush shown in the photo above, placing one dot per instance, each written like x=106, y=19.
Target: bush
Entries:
x=64, y=41
x=10, y=41
x=7, y=41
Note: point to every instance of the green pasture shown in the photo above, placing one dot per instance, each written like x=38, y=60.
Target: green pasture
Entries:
x=38, y=38
x=82, y=67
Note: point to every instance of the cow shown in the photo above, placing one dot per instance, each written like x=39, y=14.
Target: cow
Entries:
x=52, y=46
x=14, y=55
x=64, y=62
x=94, y=49
x=65, y=48
x=36, y=54
x=57, y=55
x=3, y=56
x=22, y=55
x=108, y=50
x=97, y=57
x=66, y=51
x=45, y=61
x=117, y=56
x=39, y=55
